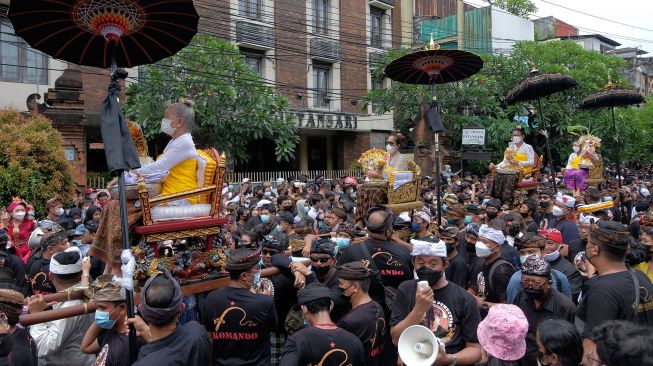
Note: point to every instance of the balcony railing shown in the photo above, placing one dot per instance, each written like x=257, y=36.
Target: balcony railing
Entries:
x=325, y=50
x=254, y=35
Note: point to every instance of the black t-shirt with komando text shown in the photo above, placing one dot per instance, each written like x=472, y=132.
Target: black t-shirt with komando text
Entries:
x=239, y=322
x=368, y=323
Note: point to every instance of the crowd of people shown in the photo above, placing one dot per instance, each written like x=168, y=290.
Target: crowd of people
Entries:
x=529, y=280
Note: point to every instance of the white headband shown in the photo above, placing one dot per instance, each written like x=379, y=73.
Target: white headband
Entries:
x=429, y=249
x=489, y=233
x=62, y=269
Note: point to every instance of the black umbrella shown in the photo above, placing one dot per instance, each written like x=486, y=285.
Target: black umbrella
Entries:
x=85, y=32
x=611, y=97
x=537, y=86
x=105, y=33
x=430, y=67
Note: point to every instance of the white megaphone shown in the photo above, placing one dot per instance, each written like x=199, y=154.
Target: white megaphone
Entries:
x=418, y=346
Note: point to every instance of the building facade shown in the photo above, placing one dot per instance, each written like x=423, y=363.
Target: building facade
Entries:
x=319, y=55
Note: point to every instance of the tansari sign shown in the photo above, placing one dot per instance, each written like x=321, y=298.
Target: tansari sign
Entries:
x=325, y=120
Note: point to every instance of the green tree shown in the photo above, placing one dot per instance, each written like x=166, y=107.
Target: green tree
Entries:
x=521, y=8
x=479, y=99
x=32, y=162
x=234, y=106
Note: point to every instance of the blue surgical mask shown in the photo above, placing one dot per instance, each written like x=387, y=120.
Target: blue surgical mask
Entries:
x=414, y=226
x=77, y=242
x=103, y=319
x=341, y=244
x=468, y=220
x=257, y=278
x=265, y=218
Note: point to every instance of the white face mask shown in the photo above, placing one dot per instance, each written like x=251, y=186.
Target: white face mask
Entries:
x=166, y=127
x=557, y=211
x=19, y=215
x=59, y=211
x=552, y=256
x=482, y=250
x=389, y=148
x=576, y=148
x=516, y=139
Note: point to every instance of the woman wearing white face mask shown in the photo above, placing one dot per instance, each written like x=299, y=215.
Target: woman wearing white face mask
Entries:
x=19, y=229
x=395, y=160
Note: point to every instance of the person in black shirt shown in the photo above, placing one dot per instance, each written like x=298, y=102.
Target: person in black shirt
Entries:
x=168, y=343
x=558, y=343
x=467, y=248
x=442, y=306
x=239, y=321
x=366, y=319
x=492, y=282
x=456, y=271
x=391, y=260
x=108, y=334
x=544, y=214
x=540, y=302
x=51, y=243
x=526, y=210
x=322, y=343
x=16, y=264
x=23, y=349
x=612, y=294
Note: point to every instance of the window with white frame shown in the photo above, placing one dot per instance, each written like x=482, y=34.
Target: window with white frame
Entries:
x=321, y=84
x=20, y=63
x=376, y=30
x=320, y=16
x=250, y=8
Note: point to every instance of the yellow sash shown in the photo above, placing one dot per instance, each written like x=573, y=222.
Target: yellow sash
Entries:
x=182, y=177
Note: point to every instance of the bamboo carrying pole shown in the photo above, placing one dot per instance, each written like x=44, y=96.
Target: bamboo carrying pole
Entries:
x=56, y=314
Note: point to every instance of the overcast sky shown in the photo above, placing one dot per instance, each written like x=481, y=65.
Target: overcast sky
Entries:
x=636, y=13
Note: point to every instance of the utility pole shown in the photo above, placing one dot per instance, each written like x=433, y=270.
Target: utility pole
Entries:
x=460, y=15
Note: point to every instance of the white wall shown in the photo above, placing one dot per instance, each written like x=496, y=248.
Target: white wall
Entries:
x=508, y=27
x=15, y=94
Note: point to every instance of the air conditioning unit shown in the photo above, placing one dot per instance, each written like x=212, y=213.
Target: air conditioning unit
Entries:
x=323, y=49
x=383, y=4
x=254, y=35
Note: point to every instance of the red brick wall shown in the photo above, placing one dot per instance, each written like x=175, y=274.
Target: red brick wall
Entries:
x=351, y=146
x=291, y=51
x=353, y=67
x=215, y=18
x=396, y=24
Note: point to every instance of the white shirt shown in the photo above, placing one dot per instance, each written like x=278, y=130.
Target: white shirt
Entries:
x=572, y=156
x=178, y=150
x=59, y=341
x=530, y=155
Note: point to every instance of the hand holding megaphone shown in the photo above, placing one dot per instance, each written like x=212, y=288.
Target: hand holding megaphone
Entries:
x=418, y=346
x=423, y=297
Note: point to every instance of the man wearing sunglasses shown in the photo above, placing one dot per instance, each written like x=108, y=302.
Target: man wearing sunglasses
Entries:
x=323, y=258
x=540, y=302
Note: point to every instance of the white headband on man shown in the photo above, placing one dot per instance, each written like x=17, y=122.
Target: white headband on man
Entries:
x=63, y=269
x=494, y=235
x=428, y=248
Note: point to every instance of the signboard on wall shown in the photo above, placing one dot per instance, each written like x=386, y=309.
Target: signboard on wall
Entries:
x=474, y=136
x=69, y=153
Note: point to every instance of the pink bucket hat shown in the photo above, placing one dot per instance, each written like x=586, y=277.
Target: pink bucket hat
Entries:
x=503, y=332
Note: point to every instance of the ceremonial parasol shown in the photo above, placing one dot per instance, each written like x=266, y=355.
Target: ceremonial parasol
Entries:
x=109, y=33
x=611, y=97
x=430, y=67
x=537, y=86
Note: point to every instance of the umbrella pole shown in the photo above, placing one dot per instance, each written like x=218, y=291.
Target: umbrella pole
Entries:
x=436, y=163
x=124, y=227
x=546, y=142
x=616, y=136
